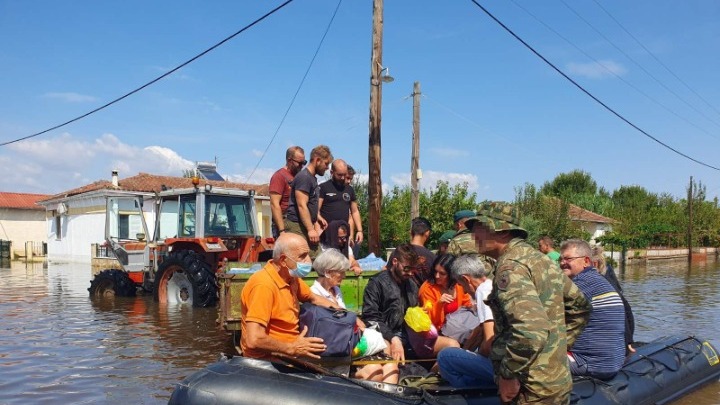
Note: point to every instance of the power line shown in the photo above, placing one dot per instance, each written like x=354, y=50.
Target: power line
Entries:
x=292, y=101
x=656, y=58
x=632, y=86
x=585, y=91
x=157, y=79
x=638, y=64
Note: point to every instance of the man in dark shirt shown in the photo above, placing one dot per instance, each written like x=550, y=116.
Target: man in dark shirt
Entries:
x=420, y=230
x=281, y=186
x=337, y=198
x=302, y=213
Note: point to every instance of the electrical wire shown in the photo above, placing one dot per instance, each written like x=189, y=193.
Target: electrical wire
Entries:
x=602, y=65
x=157, y=79
x=656, y=58
x=292, y=101
x=639, y=65
x=597, y=100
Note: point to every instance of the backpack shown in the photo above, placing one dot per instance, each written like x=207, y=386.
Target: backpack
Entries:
x=336, y=327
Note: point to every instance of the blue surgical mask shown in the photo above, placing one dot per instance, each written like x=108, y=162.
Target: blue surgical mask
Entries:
x=302, y=270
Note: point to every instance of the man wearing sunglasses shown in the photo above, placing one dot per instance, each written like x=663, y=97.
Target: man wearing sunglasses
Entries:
x=281, y=185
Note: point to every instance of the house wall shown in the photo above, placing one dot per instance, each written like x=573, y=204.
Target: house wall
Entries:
x=596, y=230
x=264, y=216
x=20, y=226
x=82, y=226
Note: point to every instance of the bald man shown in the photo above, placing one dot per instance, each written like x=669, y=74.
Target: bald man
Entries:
x=337, y=199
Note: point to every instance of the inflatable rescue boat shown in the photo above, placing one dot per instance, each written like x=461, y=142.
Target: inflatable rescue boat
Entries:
x=659, y=372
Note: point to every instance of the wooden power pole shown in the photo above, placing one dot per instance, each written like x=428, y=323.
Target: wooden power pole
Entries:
x=374, y=179
x=415, y=159
x=690, y=220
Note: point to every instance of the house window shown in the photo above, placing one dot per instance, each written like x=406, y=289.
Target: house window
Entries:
x=58, y=228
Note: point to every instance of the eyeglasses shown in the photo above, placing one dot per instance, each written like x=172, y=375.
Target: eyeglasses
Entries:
x=569, y=259
x=342, y=238
x=301, y=163
x=409, y=269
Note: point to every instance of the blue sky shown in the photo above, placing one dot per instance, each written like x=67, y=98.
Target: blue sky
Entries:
x=493, y=114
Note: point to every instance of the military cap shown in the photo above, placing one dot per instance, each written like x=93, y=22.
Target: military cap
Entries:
x=445, y=237
x=498, y=217
x=462, y=214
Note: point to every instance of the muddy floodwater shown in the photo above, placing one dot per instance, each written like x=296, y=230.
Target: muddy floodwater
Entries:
x=58, y=346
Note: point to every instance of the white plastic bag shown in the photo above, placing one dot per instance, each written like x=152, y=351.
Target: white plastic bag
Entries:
x=375, y=341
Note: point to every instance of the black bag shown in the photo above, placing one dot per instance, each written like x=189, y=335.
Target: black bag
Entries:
x=336, y=327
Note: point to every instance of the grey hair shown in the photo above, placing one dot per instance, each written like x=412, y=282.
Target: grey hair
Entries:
x=599, y=257
x=581, y=247
x=329, y=260
x=469, y=264
x=280, y=247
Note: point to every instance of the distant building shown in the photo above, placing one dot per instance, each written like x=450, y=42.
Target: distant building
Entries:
x=208, y=171
x=22, y=220
x=76, y=218
x=595, y=224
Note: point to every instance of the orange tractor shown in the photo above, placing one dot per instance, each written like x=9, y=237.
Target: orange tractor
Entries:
x=197, y=232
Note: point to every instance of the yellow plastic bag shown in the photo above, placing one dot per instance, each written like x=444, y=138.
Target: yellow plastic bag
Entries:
x=417, y=319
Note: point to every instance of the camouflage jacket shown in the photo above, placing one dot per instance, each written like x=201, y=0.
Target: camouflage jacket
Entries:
x=530, y=301
x=463, y=243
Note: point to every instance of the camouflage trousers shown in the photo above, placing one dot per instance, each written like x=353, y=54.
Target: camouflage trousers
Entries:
x=299, y=229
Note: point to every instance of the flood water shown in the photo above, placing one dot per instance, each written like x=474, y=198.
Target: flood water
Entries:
x=58, y=346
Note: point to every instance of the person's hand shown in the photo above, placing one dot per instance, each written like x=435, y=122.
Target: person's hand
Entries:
x=357, y=270
x=307, y=346
x=360, y=324
x=397, y=352
x=447, y=298
x=358, y=237
x=313, y=236
x=631, y=349
x=508, y=389
x=323, y=223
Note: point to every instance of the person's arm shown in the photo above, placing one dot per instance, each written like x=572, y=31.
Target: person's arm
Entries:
x=356, y=221
x=256, y=338
x=577, y=310
x=276, y=210
x=301, y=199
x=320, y=218
x=372, y=300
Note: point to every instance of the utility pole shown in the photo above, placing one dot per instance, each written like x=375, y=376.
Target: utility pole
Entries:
x=374, y=179
x=690, y=220
x=415, y=159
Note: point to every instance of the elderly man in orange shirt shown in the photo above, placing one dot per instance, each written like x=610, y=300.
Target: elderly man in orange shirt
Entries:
x=270, y=304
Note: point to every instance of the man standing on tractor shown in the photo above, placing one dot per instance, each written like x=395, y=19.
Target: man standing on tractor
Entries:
x=302, y=213
x=281, y=186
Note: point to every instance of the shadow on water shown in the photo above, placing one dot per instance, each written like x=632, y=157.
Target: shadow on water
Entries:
x=58, y=346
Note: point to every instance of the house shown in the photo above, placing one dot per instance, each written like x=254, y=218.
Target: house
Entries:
x=76, y=218
x=595, y=224
x=22, y=222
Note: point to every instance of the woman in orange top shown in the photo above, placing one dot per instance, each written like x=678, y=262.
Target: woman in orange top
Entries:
x=440, y=294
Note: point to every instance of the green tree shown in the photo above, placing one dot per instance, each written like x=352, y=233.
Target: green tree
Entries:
x=569, y=184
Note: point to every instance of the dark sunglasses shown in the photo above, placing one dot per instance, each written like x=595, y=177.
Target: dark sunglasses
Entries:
x=301, y=163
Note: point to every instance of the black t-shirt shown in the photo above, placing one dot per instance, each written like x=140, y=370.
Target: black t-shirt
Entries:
x=307, y=183
x=336, y=201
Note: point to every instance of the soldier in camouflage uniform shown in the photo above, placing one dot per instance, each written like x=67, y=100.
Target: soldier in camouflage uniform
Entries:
x=538, y=312
x=463, y=241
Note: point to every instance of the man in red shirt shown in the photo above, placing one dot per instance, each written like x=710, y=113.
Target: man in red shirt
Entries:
x=281, y=185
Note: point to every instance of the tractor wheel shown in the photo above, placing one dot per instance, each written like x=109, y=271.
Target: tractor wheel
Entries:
x=185, y=278
x=112, y=283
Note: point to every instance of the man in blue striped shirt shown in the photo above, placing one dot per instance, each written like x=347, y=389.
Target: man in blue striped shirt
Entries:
x=599, y=351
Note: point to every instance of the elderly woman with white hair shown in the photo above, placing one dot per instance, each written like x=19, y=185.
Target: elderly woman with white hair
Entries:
x=330, y=266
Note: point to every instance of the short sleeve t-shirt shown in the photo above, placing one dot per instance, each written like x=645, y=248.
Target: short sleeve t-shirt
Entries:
x=281, y=183
x=554, y=255
x=307, y=183
x=481, y=293
x=336, y=201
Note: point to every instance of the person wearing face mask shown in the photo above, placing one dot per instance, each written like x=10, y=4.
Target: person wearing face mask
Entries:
x=270, y=304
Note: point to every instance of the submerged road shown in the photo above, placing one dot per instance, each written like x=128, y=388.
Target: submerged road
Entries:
x=58, y=346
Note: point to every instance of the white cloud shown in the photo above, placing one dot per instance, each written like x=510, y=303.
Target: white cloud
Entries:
x=450, y=152
x=70, y=97
x=596, y=70
x=61, y=163
x=430, y=179
x=257, y=153
x=261, y=176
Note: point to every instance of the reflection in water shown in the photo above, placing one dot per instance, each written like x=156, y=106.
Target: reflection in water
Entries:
x=59, y=346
